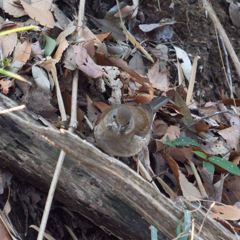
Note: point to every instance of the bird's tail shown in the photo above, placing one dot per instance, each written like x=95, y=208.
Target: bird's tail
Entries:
x=157, y=103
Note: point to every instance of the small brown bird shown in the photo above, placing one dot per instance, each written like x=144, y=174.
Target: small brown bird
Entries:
x=124, y=130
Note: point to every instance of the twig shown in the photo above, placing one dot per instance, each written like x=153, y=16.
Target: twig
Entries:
x=73, y=125
x=208, y=116
x=227, y=68
x=221, y=31
x=73, y=121
x=159, y=6
x=12, y=109
x=198, y=179
x=205, y=217
x=131, y=38
x=193, y=227
x=192, y=79
x=88, y=122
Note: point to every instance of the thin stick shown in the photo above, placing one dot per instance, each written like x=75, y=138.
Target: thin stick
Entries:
x=221, y=31
x=73, y=121
x=205, y=217
x=73, y=125
x=228, y=77
x=227, y=69
x=198, y=179
x=192, y=79
x=12, y=109
x=208, y=116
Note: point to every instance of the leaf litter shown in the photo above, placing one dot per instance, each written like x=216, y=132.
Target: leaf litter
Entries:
x=113, y=63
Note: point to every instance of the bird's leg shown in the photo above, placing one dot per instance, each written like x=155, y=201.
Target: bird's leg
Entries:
x=136, y=159
x=144, y=158
x=146, y=171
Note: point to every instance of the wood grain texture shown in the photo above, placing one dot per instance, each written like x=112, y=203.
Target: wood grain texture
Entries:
x=99, y=187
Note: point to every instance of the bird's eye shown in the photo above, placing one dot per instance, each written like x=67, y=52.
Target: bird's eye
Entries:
x=128, y=123
x=114, y=116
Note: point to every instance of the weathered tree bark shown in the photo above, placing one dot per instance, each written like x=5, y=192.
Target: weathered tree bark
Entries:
x=99, y=187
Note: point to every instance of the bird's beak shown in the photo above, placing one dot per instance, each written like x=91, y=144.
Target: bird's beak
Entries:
x=119, y=127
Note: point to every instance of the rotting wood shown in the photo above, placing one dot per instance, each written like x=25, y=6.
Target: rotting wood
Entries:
x=99, y=187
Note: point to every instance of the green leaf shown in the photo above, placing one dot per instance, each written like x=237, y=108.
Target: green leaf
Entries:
x=50, y=45
x=167, y=142
x=153, y=233
x=179, y=227
x=200, y=154
x=186, y=225
x=18, y=30
x=14, y=75
x=185, y=141
x=184, y=232
x=210, y=167
x=223, y=163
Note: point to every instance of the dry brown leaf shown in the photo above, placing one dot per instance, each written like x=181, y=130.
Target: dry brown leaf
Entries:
x=236, y=160
x=172, y=164
x=42, y=5
x=23, y=52
x=226, y=212
x=123, y=64
x=229, y=101
x=92, y=111
x=189, y=191
x=210, y=109
x=158, y=79
x=232, y=188
x=159, y=127
x=213, y=190
x=48, y=64
x=61, y=48
x=159, y=146
x=102, y=36
x=153, y=26
x=36, y=50
x=234, y=13
x=44, y=17
x=125, y=11
x=109, y=26
x=101, y=106
x=4, y=235
x=89, y=46
x=88, y=34
x=137, y=64
x=228, y=226
x=13, y=9
x=40, y=103
x=232, y=136
x=172, y=132
x=180, y=154
x=6, y=85
x=201, y=127
x=85, y=62
x=8, y=43
x=141, y=98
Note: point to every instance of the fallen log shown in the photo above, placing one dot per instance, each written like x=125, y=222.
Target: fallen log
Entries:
x=97, y=186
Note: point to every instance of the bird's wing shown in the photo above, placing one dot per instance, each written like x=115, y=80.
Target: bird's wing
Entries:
x=142, y=122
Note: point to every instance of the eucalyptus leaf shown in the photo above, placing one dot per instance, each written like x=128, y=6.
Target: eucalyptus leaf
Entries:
x=185, y=141
x=50, y=45
x=167, y=142
x=223, y=163
x=200, y=154
x=153, y=233
x=210, y=167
